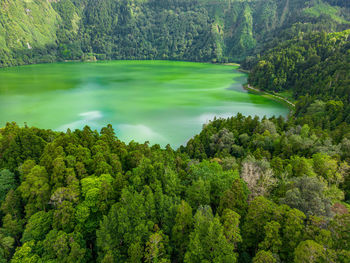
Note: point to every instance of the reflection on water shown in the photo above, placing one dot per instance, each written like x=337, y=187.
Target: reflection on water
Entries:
x=158, y=101
x=141, y=132
x=87, y=118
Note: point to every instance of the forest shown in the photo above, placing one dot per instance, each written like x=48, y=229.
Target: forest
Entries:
x=244, y=189
x=315, y=69
x=192, y=30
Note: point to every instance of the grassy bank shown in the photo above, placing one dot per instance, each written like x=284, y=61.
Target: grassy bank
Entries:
x=285, y=98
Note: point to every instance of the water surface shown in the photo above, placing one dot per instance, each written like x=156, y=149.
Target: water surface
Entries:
x=158, y=101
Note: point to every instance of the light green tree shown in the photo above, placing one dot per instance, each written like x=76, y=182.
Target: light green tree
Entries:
x=309, y=252
x=264, y=257
x=35, y=190
x=181, y=229
x=230, y=221
x=272, y=240
x=207, y=241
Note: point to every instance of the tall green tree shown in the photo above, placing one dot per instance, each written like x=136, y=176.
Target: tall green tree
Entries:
x=207, y=241
x=35, y=190
x=309, y=251
x=7, y=182
x=308, y=195
x=181, y=230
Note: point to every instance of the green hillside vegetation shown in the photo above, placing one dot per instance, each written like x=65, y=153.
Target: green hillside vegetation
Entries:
x=315, y=68
x=243, y=189
x=25, y=25
x=27, y=22
x=325, y=9
x=198, y=30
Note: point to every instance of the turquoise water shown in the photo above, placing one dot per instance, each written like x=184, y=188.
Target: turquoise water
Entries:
x=158, y=101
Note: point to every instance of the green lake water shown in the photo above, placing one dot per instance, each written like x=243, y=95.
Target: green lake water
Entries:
x=158, y=101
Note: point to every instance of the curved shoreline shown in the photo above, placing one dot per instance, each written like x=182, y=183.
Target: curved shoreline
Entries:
x=273, y=96
x=279, y=98
x=265, y=94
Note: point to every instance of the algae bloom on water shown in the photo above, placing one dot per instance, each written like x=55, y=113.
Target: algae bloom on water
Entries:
x=158, y=101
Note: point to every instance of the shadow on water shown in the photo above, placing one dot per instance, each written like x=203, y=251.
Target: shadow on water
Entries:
x=237, y=87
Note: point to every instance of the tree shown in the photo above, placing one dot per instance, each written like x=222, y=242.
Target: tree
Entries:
x=12, y=208
x=63, y=217
x=156, y=248
x=209, y=182
x=222, y=141
x=26, y=254
x=301, y=166
x=7, y=182
x=6, y=246
x=258, y=176
x=293, y=231
x=62, y=247
x=326, y=167
x=272, y=240
x=235, y=198
x=37, y=227
x=307, y=195
x=230, y=221
x=339, y=228
x=308, y=252
x=264, y=257
x=260, y=212
x=97, y=193
x=181, y=230
x=35, y=190
x=198, y=193
x=267, y=125
x=131, y=220
x=58, y=172
x=207, y=241
x=135, y=252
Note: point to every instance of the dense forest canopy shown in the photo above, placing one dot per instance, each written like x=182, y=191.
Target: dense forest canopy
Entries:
x=315, y=69
x=196, y=30
x=243, y=190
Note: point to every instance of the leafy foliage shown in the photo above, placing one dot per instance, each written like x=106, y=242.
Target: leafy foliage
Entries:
x=243, y=190
x=85, y=196
x=197, y=30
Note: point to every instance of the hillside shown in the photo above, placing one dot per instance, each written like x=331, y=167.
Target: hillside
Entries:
x=244, y=189
x=314, y=68
x=199, y=30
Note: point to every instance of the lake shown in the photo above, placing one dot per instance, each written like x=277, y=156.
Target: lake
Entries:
x=158, y=101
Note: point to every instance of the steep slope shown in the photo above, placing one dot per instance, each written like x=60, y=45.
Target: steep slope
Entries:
x=197, y=30
x=315, y=68
x=26, y=25
x=31, y=29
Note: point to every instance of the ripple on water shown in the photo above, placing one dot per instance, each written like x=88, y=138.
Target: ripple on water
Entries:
x=87, y=118
x=158, y=101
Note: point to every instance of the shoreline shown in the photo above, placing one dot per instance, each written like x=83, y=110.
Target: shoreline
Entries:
x=265, y=94
x=273, y=96
x=109, y=60
x=236, y=66
x=244, y=70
